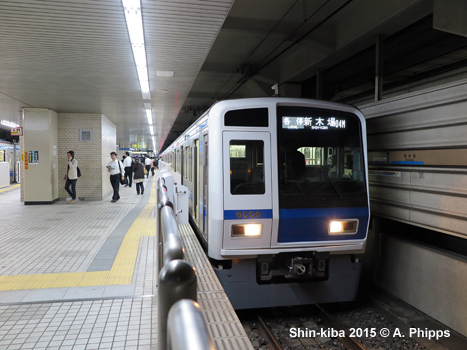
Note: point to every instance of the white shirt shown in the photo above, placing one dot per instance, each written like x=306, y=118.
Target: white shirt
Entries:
x=147, y=161
x=115, y=169
x=127, y=161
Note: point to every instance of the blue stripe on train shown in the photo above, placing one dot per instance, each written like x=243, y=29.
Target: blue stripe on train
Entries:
x=247, y=214
x=304, y=225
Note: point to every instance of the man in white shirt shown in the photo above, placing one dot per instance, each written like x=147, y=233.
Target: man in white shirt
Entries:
x=127, y=164
x=116, y=170
x=147, y=163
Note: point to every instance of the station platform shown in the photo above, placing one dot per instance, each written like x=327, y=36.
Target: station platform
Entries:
x=82, y=275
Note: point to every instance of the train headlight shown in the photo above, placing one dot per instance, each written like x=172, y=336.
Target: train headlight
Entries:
x=336, y=227
x=246, y=230
x=343, y=227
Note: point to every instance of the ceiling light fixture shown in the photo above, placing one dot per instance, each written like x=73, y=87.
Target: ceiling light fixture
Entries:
x=134, y=22
x=165, y=73
x=149, y=116
x=10, y=124
x=151, y=129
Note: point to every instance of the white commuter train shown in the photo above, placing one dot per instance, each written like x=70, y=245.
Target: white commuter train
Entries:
x=278, y=193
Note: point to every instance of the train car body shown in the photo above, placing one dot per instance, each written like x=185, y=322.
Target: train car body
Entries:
x=279, y=196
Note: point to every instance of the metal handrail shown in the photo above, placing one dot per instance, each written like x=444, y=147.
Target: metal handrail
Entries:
x=172, y=245
x=187, y=328
x=177, y=278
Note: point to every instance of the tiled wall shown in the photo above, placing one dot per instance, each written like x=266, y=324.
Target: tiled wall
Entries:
x=92, y=156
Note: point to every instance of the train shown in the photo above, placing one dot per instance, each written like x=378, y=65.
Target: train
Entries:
x=278, y=195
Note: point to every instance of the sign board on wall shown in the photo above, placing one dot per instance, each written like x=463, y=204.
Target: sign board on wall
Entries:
x=30, y=157
x=16, y=131
x=33, y=157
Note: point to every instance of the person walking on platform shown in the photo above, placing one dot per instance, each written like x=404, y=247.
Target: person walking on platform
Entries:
x=138, y=169
x=156, y=163
x=127, y=163
x=153, y=165
x=147, y=163
x=116, y=170
x=71, y=176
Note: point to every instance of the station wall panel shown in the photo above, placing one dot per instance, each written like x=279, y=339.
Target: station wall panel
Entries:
x=417, y=149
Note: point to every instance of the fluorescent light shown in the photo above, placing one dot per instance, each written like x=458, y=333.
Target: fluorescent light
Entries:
x=8, y=123
x=151, y=129
x=149, y=116
x=142, y=72
x=144, y=87
x=134, y=22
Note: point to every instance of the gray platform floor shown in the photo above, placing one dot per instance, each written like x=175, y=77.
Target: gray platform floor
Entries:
x=82, y=276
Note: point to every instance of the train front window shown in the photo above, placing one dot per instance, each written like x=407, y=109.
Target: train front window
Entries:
x=246, y=167
x=320, y=158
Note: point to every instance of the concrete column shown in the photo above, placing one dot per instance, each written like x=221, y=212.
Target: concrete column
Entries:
x=39, y=157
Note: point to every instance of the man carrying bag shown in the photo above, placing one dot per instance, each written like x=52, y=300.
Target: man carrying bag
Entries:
x=116, y=170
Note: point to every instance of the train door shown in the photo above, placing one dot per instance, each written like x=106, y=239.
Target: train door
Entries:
x=204, y=219
x=196, y=182
x=247, y=189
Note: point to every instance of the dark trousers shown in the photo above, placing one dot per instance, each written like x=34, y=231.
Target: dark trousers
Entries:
x=71, y=183
x=128, y=175
x=139, y=187
x=148, y=168
x=152, y=171
x=115, y=181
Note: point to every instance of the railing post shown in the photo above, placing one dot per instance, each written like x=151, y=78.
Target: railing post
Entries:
x=177, y=280
x=187, y=328
x=171, y=241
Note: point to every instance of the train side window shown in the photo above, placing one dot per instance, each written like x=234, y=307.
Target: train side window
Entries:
x=246, y=167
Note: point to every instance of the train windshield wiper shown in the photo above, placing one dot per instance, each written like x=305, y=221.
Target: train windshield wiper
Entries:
x=325, y=171
x=302, y=191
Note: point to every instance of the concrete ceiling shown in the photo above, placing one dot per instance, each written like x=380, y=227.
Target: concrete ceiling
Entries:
x=74, y=56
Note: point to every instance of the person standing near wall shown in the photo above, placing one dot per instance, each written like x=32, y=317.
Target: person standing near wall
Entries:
x=127, y=163
x=116, y=170
x=71, y=176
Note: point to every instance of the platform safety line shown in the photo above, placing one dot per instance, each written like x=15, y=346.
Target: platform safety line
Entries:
x=121, y=272
x=10, y=188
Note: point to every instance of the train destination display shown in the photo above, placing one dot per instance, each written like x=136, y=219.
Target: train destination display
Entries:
x=313, y=123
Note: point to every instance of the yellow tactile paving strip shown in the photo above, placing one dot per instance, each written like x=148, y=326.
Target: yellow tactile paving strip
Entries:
x=120, y=273
x=12, y=187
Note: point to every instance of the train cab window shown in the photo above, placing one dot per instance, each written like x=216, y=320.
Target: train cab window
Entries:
x=247, y=167
x=320, y=158
x=254, y=117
